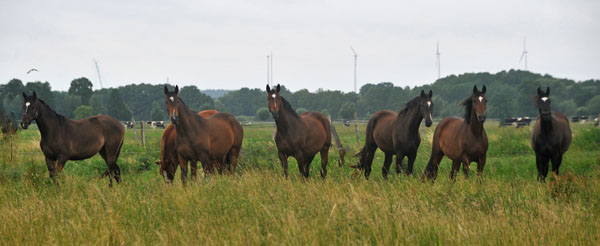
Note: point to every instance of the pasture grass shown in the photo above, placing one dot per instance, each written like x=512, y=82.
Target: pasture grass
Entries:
x=258, y=206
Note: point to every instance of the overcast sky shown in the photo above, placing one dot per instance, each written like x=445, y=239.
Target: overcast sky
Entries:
x=223, y=44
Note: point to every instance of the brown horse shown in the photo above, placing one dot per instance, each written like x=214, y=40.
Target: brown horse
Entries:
x=301, y=136
x=551, y=136
x=462, y=140
x=396, y=134
x=168, y=155
x=64, y=139
x=208, y=140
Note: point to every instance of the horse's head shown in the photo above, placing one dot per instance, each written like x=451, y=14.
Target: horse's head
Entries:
x=426, y=107
x=172, y=101
x=30, y=109
x=167, y=170
x=543, y=102
x=274, y=100
x=479, y=101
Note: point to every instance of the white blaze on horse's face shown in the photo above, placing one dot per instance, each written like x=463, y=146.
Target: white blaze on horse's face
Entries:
x=27, y=106
x=273, y=96
x=172, y=99
x=544, y=99
x=428, y=103
x=480, y=99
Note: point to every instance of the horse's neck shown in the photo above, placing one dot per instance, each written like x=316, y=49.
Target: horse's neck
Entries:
x=47, y=120
x=412, y=118
x=186, y=117
x=288, y=121
x=546, y=124
x=475, y=125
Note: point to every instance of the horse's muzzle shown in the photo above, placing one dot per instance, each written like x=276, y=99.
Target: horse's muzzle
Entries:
x=24, y=125
x=275, y=115
x=481, y=118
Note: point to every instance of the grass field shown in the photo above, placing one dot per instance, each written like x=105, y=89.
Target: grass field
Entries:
x=259, y=206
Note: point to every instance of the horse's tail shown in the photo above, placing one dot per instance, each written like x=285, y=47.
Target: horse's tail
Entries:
x=369, y=143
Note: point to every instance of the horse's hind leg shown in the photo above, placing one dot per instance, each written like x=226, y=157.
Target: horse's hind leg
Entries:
x=455, y=168
x=232, y=159
x=369, y=160
x=110, y=155
x=399, y=159
x=386, y=164
x=307, y=163
x=324, y=159
x=431, y=169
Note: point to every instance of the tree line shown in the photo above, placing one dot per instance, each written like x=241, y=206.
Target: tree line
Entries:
x=509, y=94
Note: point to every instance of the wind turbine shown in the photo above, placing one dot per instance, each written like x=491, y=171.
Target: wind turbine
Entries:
x=355, y=58
x=98, y=72
x=270, y=68
x=437, y=58
x=524, y=54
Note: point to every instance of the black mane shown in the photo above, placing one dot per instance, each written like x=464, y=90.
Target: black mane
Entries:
x=410, y=104
x=288, y=107
x=468, y=105
x=60, y=117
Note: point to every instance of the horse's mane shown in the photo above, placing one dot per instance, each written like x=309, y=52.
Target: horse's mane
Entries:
x=60, y=117
x=410, y=104
x=288, y=107
x=468, y=105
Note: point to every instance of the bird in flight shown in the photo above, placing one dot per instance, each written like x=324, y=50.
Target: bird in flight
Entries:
x=32, y=70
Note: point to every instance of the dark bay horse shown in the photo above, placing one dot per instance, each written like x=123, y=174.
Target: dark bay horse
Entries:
x=462, y=140
x=168, y=154
x=209, y=140
x=64, y=139
x=396, y=134
x=301, y=136
x=551, y=136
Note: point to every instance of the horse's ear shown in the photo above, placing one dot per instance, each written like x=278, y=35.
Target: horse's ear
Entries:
x=34, y=96
x=268, y=88
x=422, y=93
x=483, y=89
x=475, y=89
x=547, y=91
x=24, y=95
x=539, y=91
x=430, y=93
x=278, y=87
x=176, y=89
x=166, y=90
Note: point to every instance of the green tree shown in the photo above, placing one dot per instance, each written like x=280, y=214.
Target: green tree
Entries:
x=195, y=99
x=97, y=104
x=568, y=107
x=83, y=111
x=593, y=105
x=42, y=90
x=117, y=107
x=70, y=103
x=263, y=114
x=157, y=114
x=347, y=110
x=82, y=87
x=325, y=112
x=301, y=110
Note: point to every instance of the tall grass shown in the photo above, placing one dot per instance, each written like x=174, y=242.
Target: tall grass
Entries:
x=259, y=206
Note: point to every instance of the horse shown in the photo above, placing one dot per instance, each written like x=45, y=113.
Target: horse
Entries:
x=551, y=135
x=168, y=155
x=64, y=139
x=396, y=134
x=209, y=140
x=462, y=140
x=301, y=136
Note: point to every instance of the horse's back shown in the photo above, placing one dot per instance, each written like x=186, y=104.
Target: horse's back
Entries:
x=225, y=131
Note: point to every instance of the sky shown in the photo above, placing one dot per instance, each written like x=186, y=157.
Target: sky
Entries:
x=224, y=44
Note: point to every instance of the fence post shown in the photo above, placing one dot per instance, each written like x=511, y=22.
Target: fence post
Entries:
x=338, y=143
x=143, y=133
x=356, y=128
x=134, y=131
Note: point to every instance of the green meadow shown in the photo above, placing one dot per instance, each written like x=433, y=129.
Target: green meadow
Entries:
x=257, y=206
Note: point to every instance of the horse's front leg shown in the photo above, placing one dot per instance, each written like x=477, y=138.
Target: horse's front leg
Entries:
x=284, y=163
x=480, y=166
x=184, y=169
x=465, y=166
x=194, y=168
x=51, y=164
